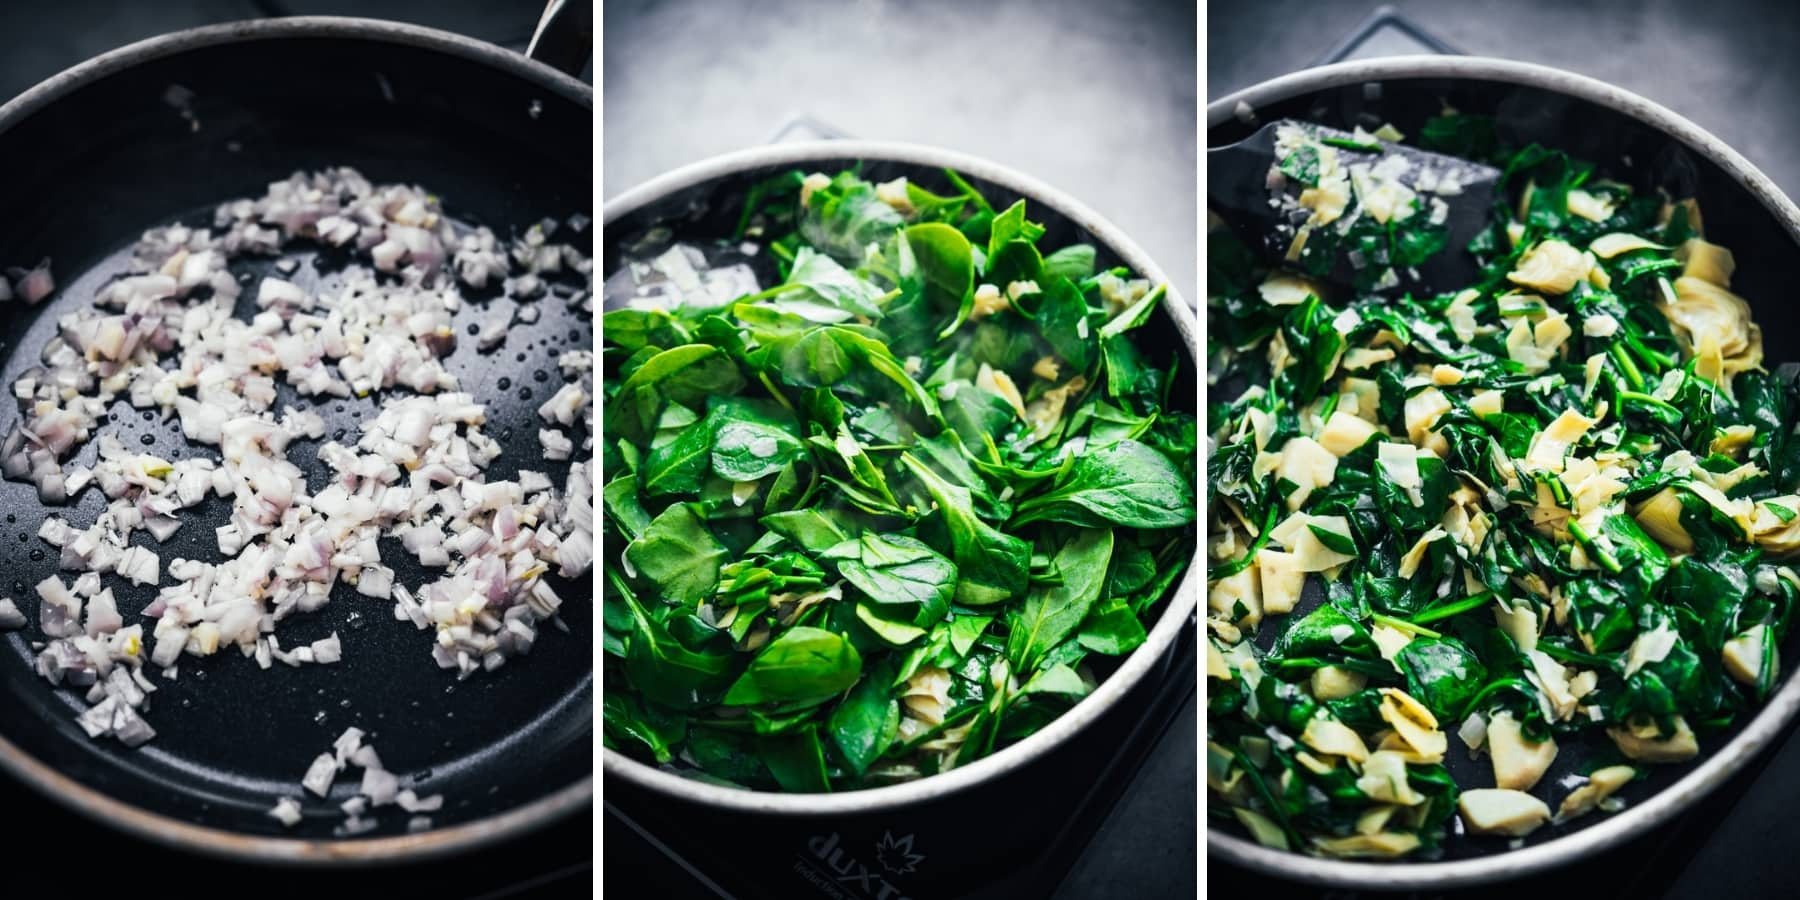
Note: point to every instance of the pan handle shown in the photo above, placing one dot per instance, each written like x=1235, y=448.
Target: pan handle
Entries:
x=564, y=39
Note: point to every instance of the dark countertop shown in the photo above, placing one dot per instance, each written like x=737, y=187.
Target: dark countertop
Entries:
x=1728, y=65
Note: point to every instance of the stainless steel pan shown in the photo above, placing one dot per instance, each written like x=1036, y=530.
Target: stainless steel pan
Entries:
x=690, y=193
x=1742, y=208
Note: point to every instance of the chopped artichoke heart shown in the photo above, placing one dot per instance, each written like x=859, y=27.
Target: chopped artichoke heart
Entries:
x=1461, y=315
x=1358, y=358
x=1400, y=463
x=1706, y=261
x=1520, y=622
x=1216, y=666
x=1282, y=580
x=1240, y=588
x=1415, y=557
x=1335, y=738
x=1384, y=198
x=1335, y=683
x=1413, y=724
x=1732, y=440
x=1282, y=289
x=1502, y=811
x=1518, y=763
x=1535, y=346
x=1651, y=646
x=1743, y=656
x=1552, y=444
x=1386, y=845
x=1640, y=741
x=1297, y=535
x=1660, y=517
x=1551, y=266
x=1487, y=402
x=1591, y=207
x=1000, y=384
x=1422, y=411
x=1608, y=246
x=1706, y=314
x=1603, y=783
x=1261, y=827
x=1344, y=433
x=1552, y=679
x=1389, y=641
x=1384, y=779
x=1308, y=465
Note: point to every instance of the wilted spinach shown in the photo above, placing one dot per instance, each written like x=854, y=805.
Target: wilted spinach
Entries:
x=1568, y=493
x=864, y=527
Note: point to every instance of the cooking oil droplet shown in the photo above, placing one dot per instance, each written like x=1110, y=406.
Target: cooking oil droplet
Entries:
x=540, y=376
x=506, y=435
x=524, y=393
x=520, y=357
x=11, y=517
x=319, y=717
x=337, y=435
x=505, y=383
x=345, y=703
x=149, y=416
x=147, y=439
x=37, y=555
x=474, y=329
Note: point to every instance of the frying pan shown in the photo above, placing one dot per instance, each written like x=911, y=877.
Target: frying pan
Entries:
x=952, y=813
x=161, y=131
x=1635, y=140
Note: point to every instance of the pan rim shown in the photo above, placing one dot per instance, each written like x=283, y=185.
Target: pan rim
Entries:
x=1136, y=666
x=216, y=842
x=1770, y=722
x=150, y=49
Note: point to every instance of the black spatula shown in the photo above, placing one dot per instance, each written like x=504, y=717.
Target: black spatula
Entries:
x=1241, y=190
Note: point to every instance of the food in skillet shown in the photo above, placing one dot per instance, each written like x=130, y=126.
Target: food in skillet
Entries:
x=893, y=511
x=356, y=290
x=1494, y=520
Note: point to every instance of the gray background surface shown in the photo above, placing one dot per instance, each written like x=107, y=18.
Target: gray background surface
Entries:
x=1098, y=99
x=43, y=38
x=1095, y=98
x=1731, y=66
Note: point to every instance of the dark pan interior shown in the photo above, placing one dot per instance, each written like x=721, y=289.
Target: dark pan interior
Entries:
x=1629, y=151
x=83, y=177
